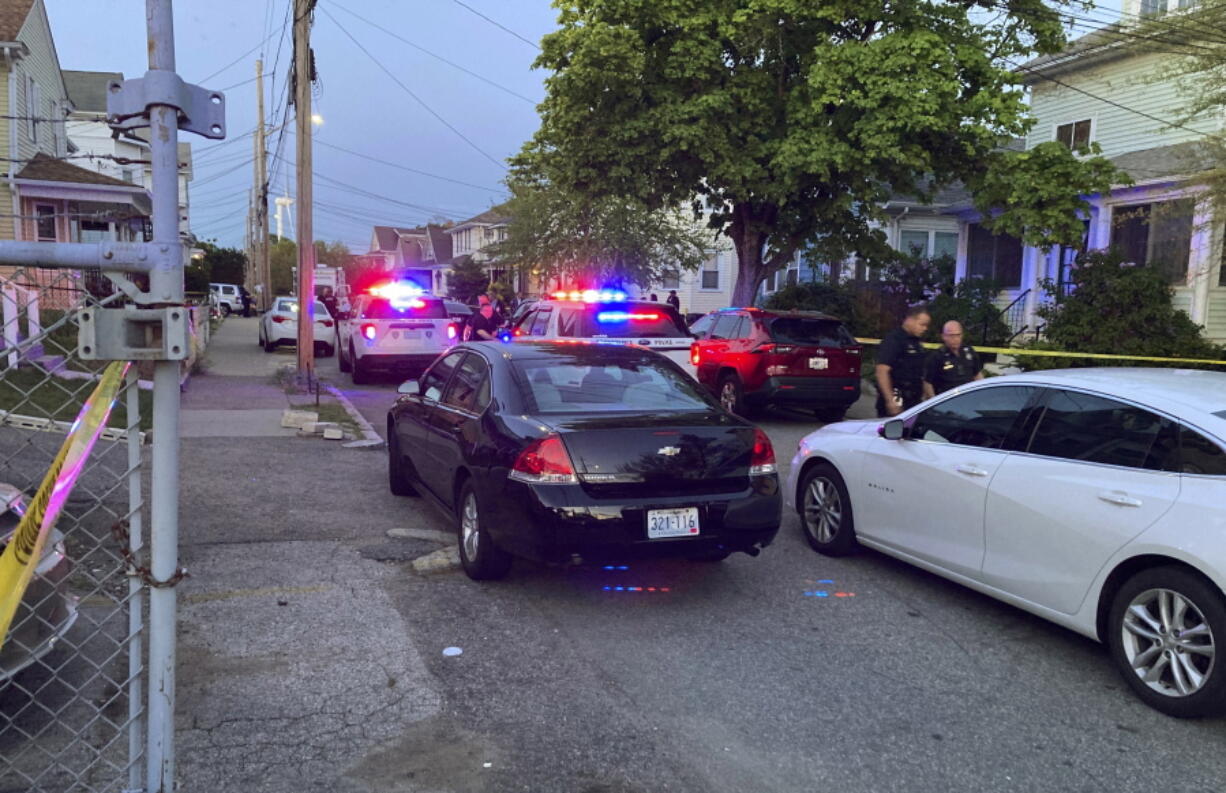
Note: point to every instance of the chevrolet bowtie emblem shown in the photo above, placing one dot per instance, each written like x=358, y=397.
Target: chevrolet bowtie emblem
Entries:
x=669, y=451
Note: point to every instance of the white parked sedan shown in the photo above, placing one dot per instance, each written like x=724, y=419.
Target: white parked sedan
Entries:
x=279, y=325
x=1095, y=498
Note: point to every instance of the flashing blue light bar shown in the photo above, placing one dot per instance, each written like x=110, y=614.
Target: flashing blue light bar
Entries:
x=593, y=296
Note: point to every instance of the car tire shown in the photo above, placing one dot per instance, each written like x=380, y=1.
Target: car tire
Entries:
x=329, y=351
x=397, y=473
x=731, y=394
x=1182, y=646
x=342, y=362
x=481, y=558
x=269, y=346
x=359, y=371
x=225, y=310
x=825, y=511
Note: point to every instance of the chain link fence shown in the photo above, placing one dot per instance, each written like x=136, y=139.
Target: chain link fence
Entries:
x=71, y=669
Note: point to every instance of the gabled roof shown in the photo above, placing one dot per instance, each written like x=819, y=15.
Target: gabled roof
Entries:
x=44, y=168
x=490, y=217
x=1165, y=162
x=87, y=90
x=13, y=15
x=441, y=242
x=1105, y=44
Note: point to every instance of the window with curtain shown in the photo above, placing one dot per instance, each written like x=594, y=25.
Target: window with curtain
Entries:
x=1157, y=235
x=997, y=257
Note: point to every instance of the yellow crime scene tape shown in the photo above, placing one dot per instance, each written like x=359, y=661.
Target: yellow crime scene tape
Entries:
x=1023, y=352
x=20, y=557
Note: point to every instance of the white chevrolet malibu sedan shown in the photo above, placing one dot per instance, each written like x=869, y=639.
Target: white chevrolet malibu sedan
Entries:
x=1095, y=498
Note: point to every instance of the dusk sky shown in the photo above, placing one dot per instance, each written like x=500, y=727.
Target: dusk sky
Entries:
x=364, y=109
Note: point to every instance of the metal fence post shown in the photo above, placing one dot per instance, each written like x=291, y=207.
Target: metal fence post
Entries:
x=166, y=283
x=136, y=619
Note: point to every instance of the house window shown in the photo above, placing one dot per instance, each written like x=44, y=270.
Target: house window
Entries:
x=45, y=222
x=670, y=279
x=1151, y=8
x=996, y=257
x=1157, y=235
x=793, y=277
x=1075, y=135
x=945, y=243
x=710, y=272
x=914, y=242
x=95, y=231
x=772, y=282
x=33, y=100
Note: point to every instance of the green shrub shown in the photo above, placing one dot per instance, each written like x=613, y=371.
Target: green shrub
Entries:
x=1118, y=308
x=835, y=299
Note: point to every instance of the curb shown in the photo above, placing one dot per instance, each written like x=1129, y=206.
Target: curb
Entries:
x=369, y=436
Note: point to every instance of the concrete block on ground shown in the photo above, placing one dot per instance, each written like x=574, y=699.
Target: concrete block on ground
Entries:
x=333, y=433
x=439, y=561
x=296, y=418
x=431, y=535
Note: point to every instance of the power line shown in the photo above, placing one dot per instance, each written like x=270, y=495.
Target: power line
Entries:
x=498, y=24
x=233, y=62
x=409, y=91
x=434, y=55
x=407, y=168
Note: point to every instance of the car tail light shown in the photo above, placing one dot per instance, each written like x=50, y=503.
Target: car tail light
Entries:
x=762, y=459
x=326, y=322
x=278, y=318
x=695, y=355
x=369, y=331
x=771, y=347
x=452, y=331
x=545, y=462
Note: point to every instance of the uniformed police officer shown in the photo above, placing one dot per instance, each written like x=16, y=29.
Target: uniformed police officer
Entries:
x=900, y=364
x=953, y=365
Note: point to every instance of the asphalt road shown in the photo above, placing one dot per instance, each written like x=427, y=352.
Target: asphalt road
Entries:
x=737, y=680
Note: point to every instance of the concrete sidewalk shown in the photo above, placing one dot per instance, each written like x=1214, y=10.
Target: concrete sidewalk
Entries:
x=295, y=671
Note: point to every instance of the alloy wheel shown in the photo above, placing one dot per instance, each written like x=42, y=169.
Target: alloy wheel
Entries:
x=1168, y=642
x=470, y=530
x=823, y=509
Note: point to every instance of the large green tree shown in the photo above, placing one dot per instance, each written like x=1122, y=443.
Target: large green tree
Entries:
x=224, y=265
x=790, y=121
x=592, y=239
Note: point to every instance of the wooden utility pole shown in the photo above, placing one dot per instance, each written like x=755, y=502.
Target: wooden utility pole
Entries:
x=306, y=243
x=260, y=242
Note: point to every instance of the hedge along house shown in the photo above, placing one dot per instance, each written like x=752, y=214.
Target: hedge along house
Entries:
x=1102, y=89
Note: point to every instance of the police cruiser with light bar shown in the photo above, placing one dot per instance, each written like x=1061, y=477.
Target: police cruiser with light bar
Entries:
x=394, y=325
x=609, y=316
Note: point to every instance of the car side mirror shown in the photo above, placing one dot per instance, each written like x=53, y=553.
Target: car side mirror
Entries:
x=409, y=388
x=892, y=430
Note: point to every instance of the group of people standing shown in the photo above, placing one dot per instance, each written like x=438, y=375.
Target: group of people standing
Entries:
x=907, y=374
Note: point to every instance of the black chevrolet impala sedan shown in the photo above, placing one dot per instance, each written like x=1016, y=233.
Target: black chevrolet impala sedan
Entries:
x=562, y=451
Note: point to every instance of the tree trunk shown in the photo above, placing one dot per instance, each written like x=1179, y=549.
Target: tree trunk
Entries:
x=749, y=242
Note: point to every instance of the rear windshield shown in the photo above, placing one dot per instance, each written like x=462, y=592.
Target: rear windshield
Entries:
x=632, y=321
x=414, y=308
x=572, y=387
x=811, y=331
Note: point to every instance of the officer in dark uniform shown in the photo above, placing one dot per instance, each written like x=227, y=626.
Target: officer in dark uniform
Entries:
x=953, y=365
x=900, y=364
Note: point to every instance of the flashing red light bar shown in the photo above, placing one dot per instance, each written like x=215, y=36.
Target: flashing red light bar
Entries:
x=592, y=296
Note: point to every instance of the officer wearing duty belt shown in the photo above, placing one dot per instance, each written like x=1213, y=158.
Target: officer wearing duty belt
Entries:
x=900, y=364
x=953, y=365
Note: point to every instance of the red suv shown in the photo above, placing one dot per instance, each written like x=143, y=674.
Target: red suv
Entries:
x=750, y=357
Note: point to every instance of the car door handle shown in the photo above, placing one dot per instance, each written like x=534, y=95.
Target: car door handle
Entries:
x=1120, y=499
x=970, y=470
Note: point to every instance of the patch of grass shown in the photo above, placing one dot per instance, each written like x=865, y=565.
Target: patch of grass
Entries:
x=30, y=391
x=333, y=412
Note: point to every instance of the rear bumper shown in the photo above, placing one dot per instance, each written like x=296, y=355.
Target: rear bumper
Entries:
x=554, y=523
x=808, y=391
x=411, y=360
x=288, y=334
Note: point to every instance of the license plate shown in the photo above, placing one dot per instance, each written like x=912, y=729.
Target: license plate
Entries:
x=818, y=363
x=406, y=334
x=672, y=522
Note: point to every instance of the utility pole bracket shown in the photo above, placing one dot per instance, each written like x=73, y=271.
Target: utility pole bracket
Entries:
x=128, y=334
x=199, y=110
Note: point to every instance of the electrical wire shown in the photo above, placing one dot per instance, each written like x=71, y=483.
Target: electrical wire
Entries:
x=410, y=92
x=499, y=25
x=407, y=168
x=234, y=62
x=420, y=48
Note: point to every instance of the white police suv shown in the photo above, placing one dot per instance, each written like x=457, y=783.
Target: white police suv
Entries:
x=609, y=316
x=394, y=326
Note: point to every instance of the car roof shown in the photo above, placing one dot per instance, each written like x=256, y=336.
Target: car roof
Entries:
x=771, y=313
x=1197, y=395
x=588, y=352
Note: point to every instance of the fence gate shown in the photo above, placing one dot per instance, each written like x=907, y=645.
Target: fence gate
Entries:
x=72, y=670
